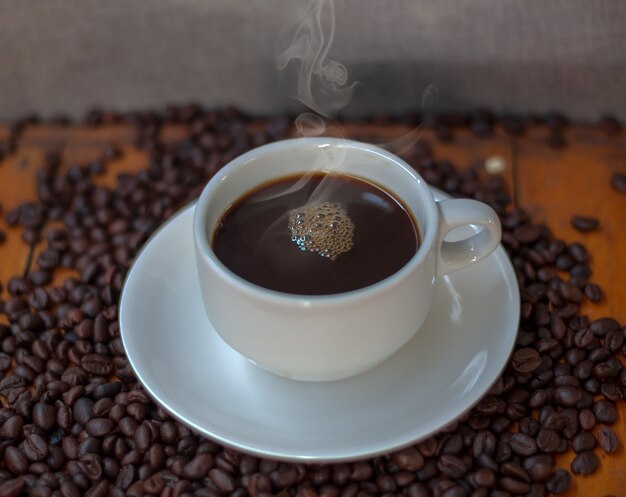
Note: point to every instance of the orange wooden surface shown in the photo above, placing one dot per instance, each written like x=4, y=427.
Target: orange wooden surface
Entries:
x=551, y=184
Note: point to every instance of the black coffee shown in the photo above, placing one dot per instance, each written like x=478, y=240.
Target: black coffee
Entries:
x=317, y=234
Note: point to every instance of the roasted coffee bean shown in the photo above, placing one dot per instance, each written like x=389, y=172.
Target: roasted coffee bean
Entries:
x=107, y=390
x=559, y=482
x=607, y=440
x=5, y=361
x=614, y=341
x=587, y=419
x=143, y=437
x=222, y=480
x=523, y=445
x=583, y=441
x=539, y=467
x=409, y=459
x=83, y=410
x=584, y=463
x=570, y=418
x=513, y=486
x=97, y=364
x=525, y=360
x=12, y=427
x=99, y=427
x=584, y=224
x=44, y=415
x=528, y=233
x=451, y=444
x=529, y=426
x=605, y=411
x=484, y=443
x=599, y=354
x=567, y=396
x=593, y=292
x=602, y=326
x=547, y=440
x=35, y=447
x=15, y=460
x=452, y=466
x=13, y=487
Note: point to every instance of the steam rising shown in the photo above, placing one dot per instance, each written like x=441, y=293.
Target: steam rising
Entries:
x=309, y=124
x=322, y=83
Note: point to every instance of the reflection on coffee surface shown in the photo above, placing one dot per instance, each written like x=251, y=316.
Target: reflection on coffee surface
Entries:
x=315, y=234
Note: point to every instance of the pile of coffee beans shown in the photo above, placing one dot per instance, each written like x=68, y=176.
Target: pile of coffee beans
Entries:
x=75, y=421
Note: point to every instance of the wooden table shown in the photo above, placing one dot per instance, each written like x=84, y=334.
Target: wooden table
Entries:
x=551, y=184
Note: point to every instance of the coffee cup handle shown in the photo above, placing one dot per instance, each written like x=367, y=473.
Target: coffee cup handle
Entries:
x=452, y=256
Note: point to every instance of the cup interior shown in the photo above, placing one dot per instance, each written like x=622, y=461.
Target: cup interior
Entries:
x=305, y=155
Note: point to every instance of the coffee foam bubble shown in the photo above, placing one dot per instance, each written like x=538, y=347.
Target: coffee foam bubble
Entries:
x=324, y=229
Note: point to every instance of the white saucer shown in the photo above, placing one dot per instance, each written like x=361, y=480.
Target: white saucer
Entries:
x=187, y=368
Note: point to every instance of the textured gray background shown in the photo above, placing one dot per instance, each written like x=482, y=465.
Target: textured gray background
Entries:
x=65, y=56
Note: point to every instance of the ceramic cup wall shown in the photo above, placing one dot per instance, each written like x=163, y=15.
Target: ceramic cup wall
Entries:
x=321, y=338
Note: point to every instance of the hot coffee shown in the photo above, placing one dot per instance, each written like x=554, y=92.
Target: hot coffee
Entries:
x=315, y=234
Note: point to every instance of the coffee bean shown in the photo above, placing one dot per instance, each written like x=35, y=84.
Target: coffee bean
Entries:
x=602, y=326
x=452, y=444
x=99, y=427
x=452, y=466
x=539, y=467
x=5, y=361
x=35, y=447
x=525, y=360
x=44, y=415
x=97, y=364
x=583, y=441
x=484, y=443
x=614, y=341
x=15, y=460
x=593, y=292
x=83, y=410
x=607, y=440
x=528, y=233
x=143, y=437
x=559, y=482
x=222, y=480
x=611, y=391
x=570, y=423
x=547, y=440
x=12, y=428
x=587, y=419
x=13, y=487
x=198, y=467
x=584, y=463
x=567, y=396
x=584, y=224
x=514, y=486
x=605, y=411
x=523, y=445
x=107, y=390
x=409, y=459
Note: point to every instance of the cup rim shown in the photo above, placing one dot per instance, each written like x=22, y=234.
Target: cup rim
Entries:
x=203, y=246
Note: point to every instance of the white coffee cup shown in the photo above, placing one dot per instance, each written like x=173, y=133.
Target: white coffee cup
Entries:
x=329, y=337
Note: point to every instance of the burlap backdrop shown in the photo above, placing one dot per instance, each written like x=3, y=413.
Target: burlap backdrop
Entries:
x=65, y=56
